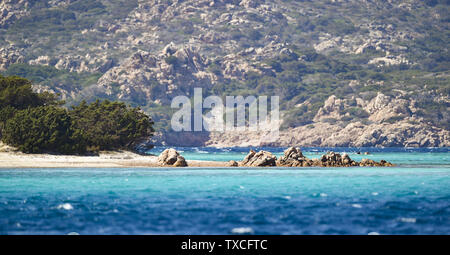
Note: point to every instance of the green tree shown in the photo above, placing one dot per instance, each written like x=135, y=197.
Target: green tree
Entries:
x=35, y=122
x=110, y=125
x=18, y=93
x=41, y=129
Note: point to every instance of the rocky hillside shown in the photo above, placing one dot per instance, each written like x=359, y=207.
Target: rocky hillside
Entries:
x=391, y=122
x=348, y=72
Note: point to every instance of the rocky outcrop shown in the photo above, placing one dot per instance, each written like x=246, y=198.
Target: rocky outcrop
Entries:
x=293, y=157
x=10, y=55
x=171, y=157
x=332, y=159
x=181, y=162
x=232, y=163
x=370, y=162
x=144, y=77
x=259, y=159
x=382, y=121
x=11, y=10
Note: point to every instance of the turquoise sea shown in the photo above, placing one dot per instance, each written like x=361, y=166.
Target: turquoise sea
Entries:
x=411, y=198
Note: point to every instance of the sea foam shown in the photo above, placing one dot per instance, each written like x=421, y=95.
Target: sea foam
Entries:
x=408, y=220
x=242, y=231
x=65, y=206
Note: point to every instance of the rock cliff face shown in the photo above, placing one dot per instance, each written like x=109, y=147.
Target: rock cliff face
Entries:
x=11, y=10
x=387, y=122
x=327, y=60
x=174, y=71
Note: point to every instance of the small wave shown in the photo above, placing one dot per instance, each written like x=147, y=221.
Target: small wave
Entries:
x=197, y=150
x=356, y=206
x=323, y=194
x=408, y=220
x=373, y=234
x=73, y=234
x=287, y=197
x=242, y=231
x=375, y=193
x=65, y=206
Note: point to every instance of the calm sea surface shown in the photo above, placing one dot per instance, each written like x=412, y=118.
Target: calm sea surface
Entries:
x=412, y=198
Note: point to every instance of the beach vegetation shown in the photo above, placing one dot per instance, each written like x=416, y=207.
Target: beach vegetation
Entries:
x=37, y=122
x=41, y=129
x=106, y=125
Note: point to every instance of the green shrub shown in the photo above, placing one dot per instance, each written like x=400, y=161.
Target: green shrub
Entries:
x=40, y=129
x=35, y=123
x=16, y=92
x=110, y=125
x=52, y=77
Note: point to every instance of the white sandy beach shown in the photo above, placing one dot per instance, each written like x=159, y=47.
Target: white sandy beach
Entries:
x=105, y=159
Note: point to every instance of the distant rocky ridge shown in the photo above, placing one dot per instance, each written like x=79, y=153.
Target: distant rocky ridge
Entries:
x=330, y=128
x=175, y=71
x=148, y=52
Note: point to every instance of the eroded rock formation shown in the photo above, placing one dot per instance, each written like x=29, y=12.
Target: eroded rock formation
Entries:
x=171, y=157
x=261, y=158
x=293, y=157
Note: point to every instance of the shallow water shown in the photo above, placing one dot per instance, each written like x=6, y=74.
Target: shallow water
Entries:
x=412, y=198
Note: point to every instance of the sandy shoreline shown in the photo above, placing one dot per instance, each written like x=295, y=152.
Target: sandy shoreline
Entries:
x=108, y=159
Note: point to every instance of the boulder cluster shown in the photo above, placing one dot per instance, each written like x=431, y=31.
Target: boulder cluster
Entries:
x=293, y=157
x=171, y=157
x=261, y=158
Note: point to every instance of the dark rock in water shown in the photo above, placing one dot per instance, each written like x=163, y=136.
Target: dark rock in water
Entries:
x=332, y=159
x=181, y=162
x=261, y=158
x=336, y=159
x=293, y=157
x=248, y=157
x=171, y=157
x=370, y=162
x=346, y=160
x=385, y=163
x=232, y=163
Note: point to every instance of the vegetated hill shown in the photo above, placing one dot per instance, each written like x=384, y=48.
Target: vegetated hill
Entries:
x=377, y=70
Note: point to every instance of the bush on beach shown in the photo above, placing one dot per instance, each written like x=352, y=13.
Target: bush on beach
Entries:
x=36, y=122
